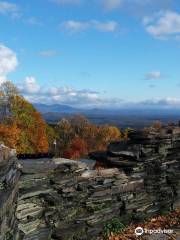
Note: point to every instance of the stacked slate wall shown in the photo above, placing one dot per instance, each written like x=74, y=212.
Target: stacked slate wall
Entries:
x=9, y=177
x=63, y=199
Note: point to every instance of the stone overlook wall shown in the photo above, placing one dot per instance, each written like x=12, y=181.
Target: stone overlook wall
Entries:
x=63, y=199
x=9, y=176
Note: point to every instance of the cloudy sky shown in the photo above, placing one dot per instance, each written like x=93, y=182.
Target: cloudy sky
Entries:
x=105, y=53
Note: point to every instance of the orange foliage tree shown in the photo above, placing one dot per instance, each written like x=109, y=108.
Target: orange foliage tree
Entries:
x=9, y=135
x=22, y=127
x=77, y=136
x=77, y=148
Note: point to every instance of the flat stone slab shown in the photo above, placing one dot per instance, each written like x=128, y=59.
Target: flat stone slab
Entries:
x=36, y=166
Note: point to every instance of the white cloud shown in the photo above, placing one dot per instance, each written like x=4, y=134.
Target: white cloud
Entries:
x=153, y=75
x=8, y=62
x=69, y=95
x=48, y=53
x=152, y=103
x=7, y=8
x=168, y=102
x=29, y=86
x=165, y=24
x=63, y=95
x=88, y=98
x=73, y=26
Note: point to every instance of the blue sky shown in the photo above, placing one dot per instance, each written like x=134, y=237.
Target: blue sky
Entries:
x=92, y=52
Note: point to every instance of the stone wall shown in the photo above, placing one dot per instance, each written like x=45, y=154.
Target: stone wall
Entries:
x=9, y=176
x=63, y=199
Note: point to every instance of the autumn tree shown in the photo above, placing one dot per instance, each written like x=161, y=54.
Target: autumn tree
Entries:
x=65, y=134
x=77, y=149
x=77, y=136
x=9, y=135
x=107, y=134
x=25, y=123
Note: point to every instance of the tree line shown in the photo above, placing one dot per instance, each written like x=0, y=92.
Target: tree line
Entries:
x=23, y=128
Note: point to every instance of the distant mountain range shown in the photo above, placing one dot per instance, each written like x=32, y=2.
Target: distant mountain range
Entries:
x=135, y=118
x=58, y=108
x=43, y=108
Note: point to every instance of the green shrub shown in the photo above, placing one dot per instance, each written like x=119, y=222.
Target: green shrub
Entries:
x=113, y=226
